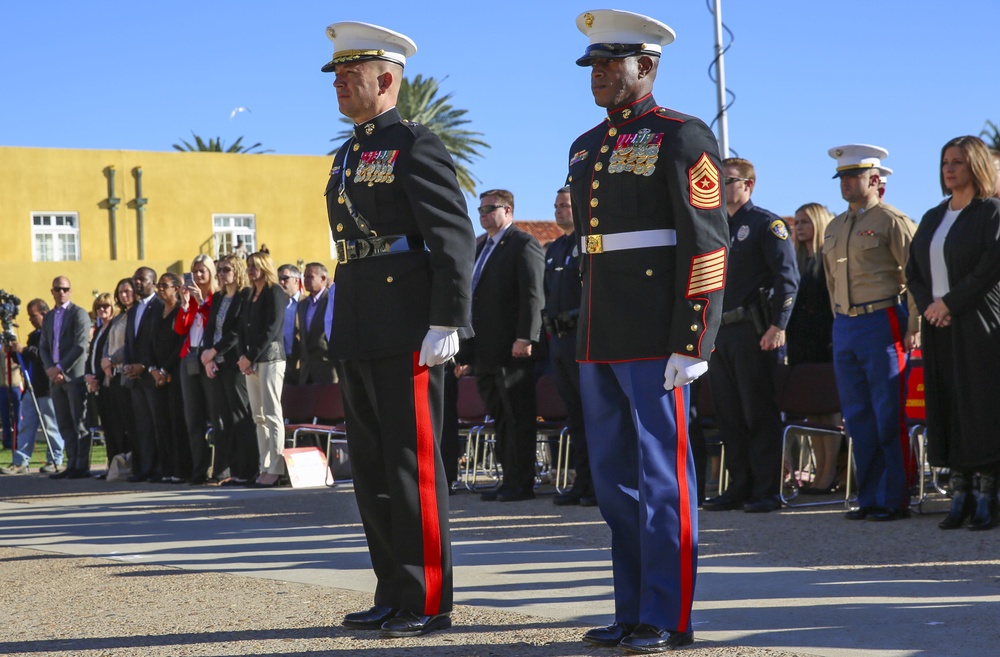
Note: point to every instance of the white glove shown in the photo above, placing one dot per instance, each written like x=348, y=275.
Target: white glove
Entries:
x=440, y=344
x=682, y=370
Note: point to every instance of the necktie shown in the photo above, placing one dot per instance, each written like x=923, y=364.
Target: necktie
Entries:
x=482, y=261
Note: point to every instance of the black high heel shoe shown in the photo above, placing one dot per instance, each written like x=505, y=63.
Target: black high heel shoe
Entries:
x=815, y=490
x=963, y=502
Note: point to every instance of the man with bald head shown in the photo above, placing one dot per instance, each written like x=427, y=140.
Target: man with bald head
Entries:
x=63, y=349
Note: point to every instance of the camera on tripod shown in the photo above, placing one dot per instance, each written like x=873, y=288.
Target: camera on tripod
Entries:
x=9, y=307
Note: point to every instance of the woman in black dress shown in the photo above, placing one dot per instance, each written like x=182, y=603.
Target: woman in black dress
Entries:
x=809, y=333
x=954, y=276
x=175, y=453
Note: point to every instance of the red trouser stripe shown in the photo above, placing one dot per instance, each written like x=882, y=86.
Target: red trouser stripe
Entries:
x=686, y=536
x=909, y=461
x=427, y=485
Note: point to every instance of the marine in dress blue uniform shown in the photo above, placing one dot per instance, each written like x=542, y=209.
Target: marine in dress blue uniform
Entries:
x=398, y=316
x=865, y=251
x=763, y=280
x=648, y=209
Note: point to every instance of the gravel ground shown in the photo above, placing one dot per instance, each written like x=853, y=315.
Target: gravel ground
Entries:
x=63, y=605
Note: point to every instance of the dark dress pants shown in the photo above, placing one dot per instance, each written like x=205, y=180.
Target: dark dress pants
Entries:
x=394, y=409
x=196, y=390
x=742, y=379
x=172, y=445
x=567, y=372
x=233, y=435
x=145, y=457
x=70, y=401
x=509, y=395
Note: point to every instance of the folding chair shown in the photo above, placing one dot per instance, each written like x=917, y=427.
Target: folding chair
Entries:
x=551, y=422
x=475, y=424
x=298, y=407
x=706, y=417
x=811, y=390
x=926, y=482
x=329, y=426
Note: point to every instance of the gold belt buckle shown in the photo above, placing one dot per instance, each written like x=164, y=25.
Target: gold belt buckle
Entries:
x=595, y=244
x=341, y=248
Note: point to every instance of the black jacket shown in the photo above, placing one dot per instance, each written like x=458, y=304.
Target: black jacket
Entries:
x=402, y=182
x=225, y=348
x=262, y=326
x=139, y=344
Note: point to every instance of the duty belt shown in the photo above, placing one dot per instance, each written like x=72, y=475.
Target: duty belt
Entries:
x=735, y=316
x=865, y=308
x=636, y=239
x=348, y=250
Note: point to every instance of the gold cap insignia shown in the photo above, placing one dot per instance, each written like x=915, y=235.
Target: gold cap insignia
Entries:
x=838, y=152
x=588, y=18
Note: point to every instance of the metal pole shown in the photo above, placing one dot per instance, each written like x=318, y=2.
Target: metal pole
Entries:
x=720, y=71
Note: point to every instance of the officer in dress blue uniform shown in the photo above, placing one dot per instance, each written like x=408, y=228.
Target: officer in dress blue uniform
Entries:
x=763, y=280
x=864, y=253
x=648, y=209
x=398, y=315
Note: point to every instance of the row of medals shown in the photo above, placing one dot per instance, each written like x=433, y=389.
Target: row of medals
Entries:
x=374, y=173
x=640, y=160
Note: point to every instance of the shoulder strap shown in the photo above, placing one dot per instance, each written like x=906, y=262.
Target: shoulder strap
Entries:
x=342, y=190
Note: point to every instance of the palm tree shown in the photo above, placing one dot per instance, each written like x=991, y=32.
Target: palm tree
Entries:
x=991, y=135
x=216, y=146
x=417, y=103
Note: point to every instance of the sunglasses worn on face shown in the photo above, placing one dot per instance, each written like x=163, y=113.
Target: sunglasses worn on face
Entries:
x=60, y=289
x=730, y=181
x=486, y=209
x=285, y=278
x=224, y=270
x=163, y=286
x=104, y=306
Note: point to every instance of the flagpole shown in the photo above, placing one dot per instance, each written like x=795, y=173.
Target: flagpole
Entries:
x=720, y=71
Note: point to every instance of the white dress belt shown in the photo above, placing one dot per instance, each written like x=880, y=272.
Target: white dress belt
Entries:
x=636, y=239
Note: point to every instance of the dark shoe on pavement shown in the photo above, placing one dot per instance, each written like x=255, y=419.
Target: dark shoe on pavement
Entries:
x=610, y=635
x=490, y=495
x=515, y=496
x=407, y=623
x=721, y=503
x=763, y=505
x=370, y=619
x=13, y=469
x=62, y=475
x=646, y=639
x=78, y=474
x=50, y=468
x=860, y=513
x=588, y=500
x=888, y=515
x=570, y=498
x=135, y=479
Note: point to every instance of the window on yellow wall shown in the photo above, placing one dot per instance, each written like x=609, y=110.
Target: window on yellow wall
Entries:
x=229, y=229
x=55, y=236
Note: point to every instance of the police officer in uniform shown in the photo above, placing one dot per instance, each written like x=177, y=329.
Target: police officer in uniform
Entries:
x=562, y=309
x=763, y=280
x=398, y=315
x=648, y=209
x=864, y=252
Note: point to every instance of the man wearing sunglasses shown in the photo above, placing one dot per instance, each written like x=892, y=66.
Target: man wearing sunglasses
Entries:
x=63, y=349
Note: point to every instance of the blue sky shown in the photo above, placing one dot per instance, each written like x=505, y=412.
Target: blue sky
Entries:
x=808, y=75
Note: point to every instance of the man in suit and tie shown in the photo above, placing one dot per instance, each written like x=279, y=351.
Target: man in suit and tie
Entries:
x=138, y=360
x=507, y=300
x=63, y=349
x=290, y=280
x=315, y=365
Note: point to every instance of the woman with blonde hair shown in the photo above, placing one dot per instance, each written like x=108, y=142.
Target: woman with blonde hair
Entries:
x=232, y=427
x=954, y=276
x=97, y=380
x=262, y=361
x=192, y=320
x=810, y=330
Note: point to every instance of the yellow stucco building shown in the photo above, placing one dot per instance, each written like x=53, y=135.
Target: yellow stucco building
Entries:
x=95, y=216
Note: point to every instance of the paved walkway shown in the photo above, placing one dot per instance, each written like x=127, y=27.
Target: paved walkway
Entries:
x=796, y=582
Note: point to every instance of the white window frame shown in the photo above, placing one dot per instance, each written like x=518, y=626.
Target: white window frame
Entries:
x=229, y=227
x=54, y=231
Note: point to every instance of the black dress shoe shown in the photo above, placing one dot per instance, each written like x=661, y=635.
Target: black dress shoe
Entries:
x=371, y=619
x=888, y=515
x=609, y=636
x=78, y=474
x=135, y=479
x=763, y=505
x=490, y=495
x=407, y=623
x=588, y=500
x=646, y=638
x=515, y=496
x=860, y=513
x=570, y=498
x=62, y=475
x=722, y=503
